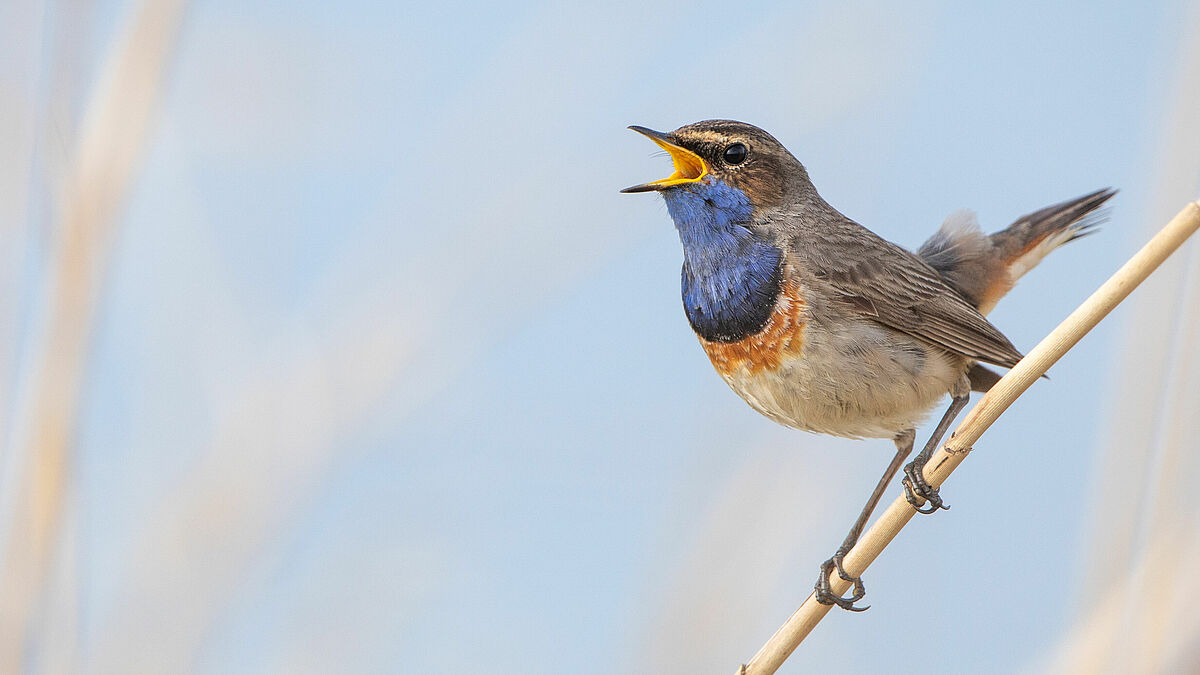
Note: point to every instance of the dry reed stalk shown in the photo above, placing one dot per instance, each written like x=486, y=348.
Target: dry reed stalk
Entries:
x=113, y=136
x=981, y=416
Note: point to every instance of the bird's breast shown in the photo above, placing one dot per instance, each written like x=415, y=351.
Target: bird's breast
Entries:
x=839, y=375
x=781, y=338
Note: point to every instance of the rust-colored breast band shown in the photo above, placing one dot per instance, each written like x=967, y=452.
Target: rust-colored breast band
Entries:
x=782, y=336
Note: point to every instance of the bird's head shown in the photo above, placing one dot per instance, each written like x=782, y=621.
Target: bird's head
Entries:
x=728, y=154
x=726, y=174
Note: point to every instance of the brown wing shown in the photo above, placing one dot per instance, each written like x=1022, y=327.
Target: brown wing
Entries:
x=894, y=287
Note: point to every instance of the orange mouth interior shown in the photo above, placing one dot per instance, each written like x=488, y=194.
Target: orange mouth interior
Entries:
x=689, y=167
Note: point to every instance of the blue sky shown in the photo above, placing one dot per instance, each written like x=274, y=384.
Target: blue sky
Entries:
x=388, y=377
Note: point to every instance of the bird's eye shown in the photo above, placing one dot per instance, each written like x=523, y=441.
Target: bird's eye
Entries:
x=734, y=154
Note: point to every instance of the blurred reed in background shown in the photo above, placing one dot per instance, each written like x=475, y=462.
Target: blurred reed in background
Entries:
x=1140, y=560
x=38, y=456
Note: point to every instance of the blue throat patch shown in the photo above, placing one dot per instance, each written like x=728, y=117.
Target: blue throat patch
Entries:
x=731, y=277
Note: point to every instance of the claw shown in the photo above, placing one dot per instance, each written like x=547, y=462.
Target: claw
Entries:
x=824, y=590
x=916, y=490
x=838, y=559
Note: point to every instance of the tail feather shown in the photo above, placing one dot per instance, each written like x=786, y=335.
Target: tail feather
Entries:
x=985, y=267
x=982, y=378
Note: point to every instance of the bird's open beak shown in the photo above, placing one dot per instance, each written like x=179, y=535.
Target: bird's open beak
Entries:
x=689, y=168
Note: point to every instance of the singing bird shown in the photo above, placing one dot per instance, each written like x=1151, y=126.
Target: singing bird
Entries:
x=822, y=325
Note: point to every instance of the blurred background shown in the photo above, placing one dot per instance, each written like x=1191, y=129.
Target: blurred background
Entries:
x=328, y=345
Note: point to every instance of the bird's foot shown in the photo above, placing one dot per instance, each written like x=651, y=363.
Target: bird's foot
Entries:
x=824, y=589
x=923, y=496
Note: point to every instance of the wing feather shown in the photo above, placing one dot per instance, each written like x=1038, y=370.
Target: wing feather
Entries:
x=894, y=287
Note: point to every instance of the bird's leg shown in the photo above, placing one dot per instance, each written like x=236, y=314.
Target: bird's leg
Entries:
x=915, y=486
x=825, y=594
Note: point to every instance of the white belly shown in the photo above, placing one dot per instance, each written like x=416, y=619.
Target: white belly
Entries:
x=866, y=382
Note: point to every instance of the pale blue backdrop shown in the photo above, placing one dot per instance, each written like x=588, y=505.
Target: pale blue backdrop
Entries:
x=389, y=378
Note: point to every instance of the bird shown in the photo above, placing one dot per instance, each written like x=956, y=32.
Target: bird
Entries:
x=822, y=325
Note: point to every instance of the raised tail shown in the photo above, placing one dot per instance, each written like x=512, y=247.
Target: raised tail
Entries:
x=984, y=267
